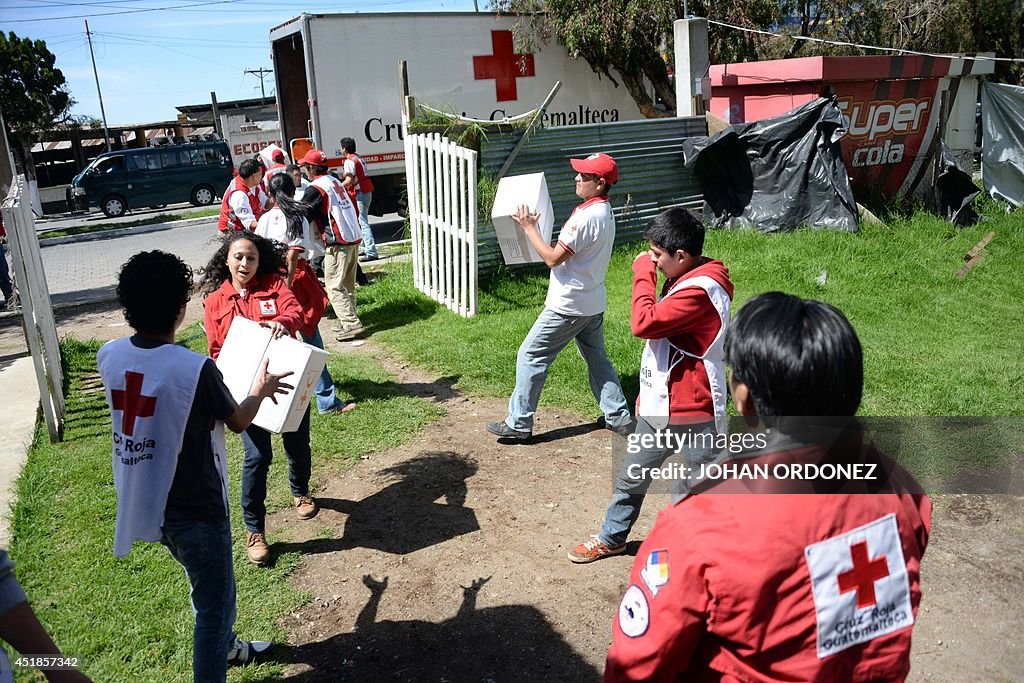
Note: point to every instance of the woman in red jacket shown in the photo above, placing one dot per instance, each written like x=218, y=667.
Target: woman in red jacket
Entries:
x=244, y=279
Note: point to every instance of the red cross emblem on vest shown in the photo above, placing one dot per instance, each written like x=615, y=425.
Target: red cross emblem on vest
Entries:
x=504, y=66
x=131, y=402
x=863, y=575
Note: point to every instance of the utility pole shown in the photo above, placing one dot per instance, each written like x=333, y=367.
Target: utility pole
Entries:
x=106, y=133
x=261, y=73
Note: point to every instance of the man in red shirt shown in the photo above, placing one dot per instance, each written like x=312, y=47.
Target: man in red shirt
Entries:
x=682, y=373
x=356, y=179
x=738, y=586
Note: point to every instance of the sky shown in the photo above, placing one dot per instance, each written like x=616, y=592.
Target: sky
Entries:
x=154, y=55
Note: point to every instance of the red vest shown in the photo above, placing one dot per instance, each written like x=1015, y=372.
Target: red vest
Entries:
x=363, y=182
x=229, y=222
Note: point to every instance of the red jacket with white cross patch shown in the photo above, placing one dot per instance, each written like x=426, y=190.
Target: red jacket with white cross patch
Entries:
x=267, y=299
x=774, y=587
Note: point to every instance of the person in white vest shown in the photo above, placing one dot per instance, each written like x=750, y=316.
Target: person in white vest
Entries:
x=168, y=408
x=575, y=304
x=682, y=371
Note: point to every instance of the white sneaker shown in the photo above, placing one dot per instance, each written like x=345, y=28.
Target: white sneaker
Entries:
x=245, y=651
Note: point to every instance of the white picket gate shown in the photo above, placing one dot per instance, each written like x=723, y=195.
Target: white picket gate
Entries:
x=34, y=296
x=441, y=180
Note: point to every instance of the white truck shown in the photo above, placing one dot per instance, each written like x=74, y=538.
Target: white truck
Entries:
x=337, y=76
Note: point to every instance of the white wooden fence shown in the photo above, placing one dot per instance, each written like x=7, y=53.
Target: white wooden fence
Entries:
x=37, y=313
x=441, y=179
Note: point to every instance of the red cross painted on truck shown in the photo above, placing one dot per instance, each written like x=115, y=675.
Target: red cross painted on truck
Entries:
x=131, y=402
x=504, y=66
x=863, y=575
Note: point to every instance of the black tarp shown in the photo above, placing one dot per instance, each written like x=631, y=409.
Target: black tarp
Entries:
x=777, y=174
x=954, y=189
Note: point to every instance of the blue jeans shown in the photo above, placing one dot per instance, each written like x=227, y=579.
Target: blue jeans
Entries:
x=551, y=333
x=204, y=550
x=6, y=286
x=629, y=493
x=258, y=454
x=326, y=400
x=363, y=200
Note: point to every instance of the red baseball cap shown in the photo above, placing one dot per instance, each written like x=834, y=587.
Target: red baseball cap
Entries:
x=278, y=155
x=315, y=157
x=601, y=165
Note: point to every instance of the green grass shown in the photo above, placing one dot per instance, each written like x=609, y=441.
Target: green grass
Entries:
x=129, y=619
x=934, y=345
x=150, y=220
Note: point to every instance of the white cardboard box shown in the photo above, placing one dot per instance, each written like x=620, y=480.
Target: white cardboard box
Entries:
x=267, y=154
x=530, y=189
x=239, y=361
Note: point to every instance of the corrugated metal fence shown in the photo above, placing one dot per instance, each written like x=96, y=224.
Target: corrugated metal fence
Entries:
x=649, y=153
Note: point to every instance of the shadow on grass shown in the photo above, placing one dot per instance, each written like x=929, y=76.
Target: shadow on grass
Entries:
x=378, y=315
x=404, y=516
x=441, y=389
x=511, y=642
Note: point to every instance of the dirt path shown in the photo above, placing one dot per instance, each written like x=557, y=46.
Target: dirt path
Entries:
x=445, y=558
x=446, y=561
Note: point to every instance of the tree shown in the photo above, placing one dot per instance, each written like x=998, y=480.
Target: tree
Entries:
x=627, y=38
x=33, y=93
x=632, y=39
x=938, y=26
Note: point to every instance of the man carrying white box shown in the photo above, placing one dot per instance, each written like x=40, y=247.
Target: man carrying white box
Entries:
x=575, y=304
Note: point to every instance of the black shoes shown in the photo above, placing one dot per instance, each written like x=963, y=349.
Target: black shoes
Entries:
x=500, y=429
x=622, y=430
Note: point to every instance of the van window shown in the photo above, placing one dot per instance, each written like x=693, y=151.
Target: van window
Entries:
x=214, y=156
x=169, y=159
x=197, y=156
x=184, y=158
x=110, y=165
x=152, y=161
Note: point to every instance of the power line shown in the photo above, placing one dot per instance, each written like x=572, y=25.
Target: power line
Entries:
x=249, y=7
x=181, y=38
x=46, y=4
x=864, y=47
x=130, y=41
x=127, y=11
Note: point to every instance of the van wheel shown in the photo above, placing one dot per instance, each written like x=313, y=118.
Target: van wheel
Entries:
x=202, y=195
x=114, y=206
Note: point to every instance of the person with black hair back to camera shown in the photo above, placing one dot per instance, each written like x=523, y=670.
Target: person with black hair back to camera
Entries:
x=334, y=214
x=168, y=407
x=802, y=580
x=286, y=223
